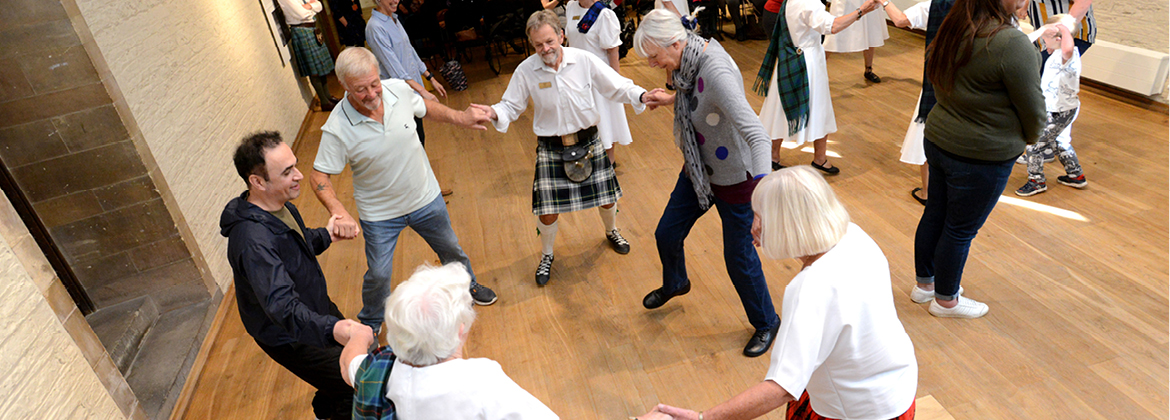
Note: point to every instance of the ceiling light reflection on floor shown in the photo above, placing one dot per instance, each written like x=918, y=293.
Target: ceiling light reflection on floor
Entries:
x=790, y=145
x=1056, y=211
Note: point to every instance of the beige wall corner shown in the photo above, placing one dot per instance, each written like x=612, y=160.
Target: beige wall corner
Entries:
x=195, y=77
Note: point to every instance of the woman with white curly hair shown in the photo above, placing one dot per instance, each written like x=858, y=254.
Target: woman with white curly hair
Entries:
x=841, y=353
x=425, y=377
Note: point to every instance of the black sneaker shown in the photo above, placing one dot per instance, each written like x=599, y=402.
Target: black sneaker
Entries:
x=543, y=269
x=482, y=295
x=1078, y=182
x=1031, y=188
x=619, y=243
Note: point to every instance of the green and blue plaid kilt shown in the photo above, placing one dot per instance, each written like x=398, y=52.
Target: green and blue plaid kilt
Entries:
x=311, y=58
x=370, y=384
x=554, y=193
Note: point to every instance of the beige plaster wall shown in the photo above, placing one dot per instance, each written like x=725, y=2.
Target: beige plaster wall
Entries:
x=1135, y=23
x=44, y=372
x=197, y=76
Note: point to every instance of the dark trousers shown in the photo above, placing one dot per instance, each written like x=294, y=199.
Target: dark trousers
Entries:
x=321, y=368
x=962, y=195
x=422, y=135
x=743, y=264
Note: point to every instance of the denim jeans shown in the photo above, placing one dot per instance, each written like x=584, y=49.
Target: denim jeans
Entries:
x=962, y=195
x=432, y=223
x=743, y=264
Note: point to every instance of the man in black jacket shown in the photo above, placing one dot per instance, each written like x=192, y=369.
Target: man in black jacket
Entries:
x=280, y=288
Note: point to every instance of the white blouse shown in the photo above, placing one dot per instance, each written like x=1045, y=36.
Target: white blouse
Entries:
x=841, y=339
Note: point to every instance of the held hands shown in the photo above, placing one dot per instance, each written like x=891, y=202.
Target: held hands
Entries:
x=342, y=226
x=757, y=229
x=657, y=97
x=668, y=412
x=346, y=329
x=488, y=111
x=476, y=117
x=870, y=5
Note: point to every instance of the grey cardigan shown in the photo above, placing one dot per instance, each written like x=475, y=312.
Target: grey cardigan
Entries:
x=732, y=142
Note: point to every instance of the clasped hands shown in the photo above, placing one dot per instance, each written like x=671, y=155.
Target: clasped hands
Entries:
x=666, y=412
x=869, y=6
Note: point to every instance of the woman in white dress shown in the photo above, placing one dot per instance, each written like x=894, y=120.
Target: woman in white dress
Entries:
x=915, y=17
x=806, y=96
x=601, y=37
x=865, y=36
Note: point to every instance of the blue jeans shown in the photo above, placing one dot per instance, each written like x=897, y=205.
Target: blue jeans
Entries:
x=432, y=223
x=962, y=195
x=743, y=264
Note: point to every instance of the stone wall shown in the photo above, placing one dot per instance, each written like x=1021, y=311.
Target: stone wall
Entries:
x=198, y=75
x=51, y=364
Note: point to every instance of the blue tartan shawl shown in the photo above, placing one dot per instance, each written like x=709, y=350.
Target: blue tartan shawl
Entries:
x=590, y=17
x=934, y=19
x=788, y=60
x=370, y=384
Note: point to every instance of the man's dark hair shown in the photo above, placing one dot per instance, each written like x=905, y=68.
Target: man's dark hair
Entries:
x=249, y=157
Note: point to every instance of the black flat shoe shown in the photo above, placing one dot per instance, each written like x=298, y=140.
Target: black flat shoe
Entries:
x=833, y=170
x=760, y=342
x=869, y=75
x=657, y=298
x=914, y=193
x=669, y=86
x=776, y=166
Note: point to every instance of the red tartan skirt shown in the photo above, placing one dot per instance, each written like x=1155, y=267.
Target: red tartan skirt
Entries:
x=802, y=410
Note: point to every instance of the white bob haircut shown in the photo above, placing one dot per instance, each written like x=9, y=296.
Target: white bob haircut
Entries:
x=354, y=62
x=660, y=28
x=541, y=18
x=425, y=313
x=799, y=213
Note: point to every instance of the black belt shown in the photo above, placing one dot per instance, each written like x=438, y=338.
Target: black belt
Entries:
x=585, y=136
x=305, y=25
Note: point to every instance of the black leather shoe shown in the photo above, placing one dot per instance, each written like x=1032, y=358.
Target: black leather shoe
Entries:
x=760, y=342
x=832, y=170
x=776, y=166
x=657, y=298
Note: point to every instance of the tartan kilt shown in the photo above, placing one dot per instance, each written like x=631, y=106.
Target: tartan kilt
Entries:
x=310, y=58
x=554, y=193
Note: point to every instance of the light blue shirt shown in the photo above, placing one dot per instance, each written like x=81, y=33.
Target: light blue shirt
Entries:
x=389, y=43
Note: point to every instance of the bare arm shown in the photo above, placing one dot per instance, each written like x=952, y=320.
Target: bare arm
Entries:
x=1066, y=43
x=472, y=117
x=360, y=338
x=897, y=16
x=614, y=60
x=754, y=402
x=548, y=4
x=345, y=226
x=1080, y=9
x=421, y=90
x=842, y=22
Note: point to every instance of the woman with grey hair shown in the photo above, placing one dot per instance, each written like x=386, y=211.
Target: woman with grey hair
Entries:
x=725, y=151
x=428, y=318
x=841, y=353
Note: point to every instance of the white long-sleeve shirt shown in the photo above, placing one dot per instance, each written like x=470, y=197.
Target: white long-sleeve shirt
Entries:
x=563, y=98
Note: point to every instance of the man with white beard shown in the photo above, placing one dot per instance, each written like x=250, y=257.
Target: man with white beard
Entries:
x=572, y=170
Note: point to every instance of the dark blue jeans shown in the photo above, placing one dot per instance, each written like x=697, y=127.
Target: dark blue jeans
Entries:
x=962, y=195
x=743, y=264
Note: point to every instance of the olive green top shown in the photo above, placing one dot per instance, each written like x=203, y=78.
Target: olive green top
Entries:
x=996, y=106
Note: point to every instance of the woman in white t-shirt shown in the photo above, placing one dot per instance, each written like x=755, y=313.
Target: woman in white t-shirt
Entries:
x=427, y=321
x=841, y=351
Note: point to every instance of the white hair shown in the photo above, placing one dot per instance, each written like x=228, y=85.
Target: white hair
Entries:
x=799, y=213
x=661, y=28
x=354, y=62
x=425, y=313
x=541, y=18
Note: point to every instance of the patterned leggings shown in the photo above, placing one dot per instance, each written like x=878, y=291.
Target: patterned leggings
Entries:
x=1057, y=121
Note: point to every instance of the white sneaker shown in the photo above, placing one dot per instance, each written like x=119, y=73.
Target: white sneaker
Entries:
x=922, y=296
x=967, y=308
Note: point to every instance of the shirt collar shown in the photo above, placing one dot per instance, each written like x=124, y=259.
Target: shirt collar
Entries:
x=566, y=60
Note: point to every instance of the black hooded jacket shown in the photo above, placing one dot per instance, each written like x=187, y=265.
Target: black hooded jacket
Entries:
x=280, y=287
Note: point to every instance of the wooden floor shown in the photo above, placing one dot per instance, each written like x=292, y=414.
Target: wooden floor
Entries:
x=1076, y=279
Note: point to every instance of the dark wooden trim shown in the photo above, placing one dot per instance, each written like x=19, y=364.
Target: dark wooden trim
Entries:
x=44, y=241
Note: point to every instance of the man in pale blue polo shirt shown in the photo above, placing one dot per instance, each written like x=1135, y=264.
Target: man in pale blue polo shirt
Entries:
x=373, y=131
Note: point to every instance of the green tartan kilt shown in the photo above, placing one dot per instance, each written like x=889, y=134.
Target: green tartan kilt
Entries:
x=554, y=193
x=310, y=57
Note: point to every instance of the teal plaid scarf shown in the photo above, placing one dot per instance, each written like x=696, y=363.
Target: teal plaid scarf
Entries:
x=782, y=55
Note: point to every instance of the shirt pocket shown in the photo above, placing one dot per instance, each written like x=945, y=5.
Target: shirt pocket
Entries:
x=580, y=94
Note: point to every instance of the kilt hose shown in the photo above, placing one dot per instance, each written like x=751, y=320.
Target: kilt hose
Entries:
x=554, y=193
x=311, y=58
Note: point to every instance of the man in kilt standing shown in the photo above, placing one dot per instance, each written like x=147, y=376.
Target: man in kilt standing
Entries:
x=572, y=170
x=309, y=55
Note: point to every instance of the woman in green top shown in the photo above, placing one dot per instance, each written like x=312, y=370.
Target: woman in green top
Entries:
x=986, y=78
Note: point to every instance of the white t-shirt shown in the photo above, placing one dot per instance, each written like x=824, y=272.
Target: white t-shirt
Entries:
x=681, y=5
x=463, y=389
x=605, y=33
x=841, y=339
x=1061, y=82
x=918, y=15
x=391, y=173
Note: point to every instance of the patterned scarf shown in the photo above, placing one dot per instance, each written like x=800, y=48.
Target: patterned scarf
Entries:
x=938, y=12
x=590, y=17
x=684, y=83
x=783, y=56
